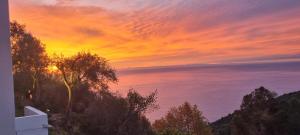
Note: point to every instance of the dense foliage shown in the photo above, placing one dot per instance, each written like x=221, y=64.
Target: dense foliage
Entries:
x=30, y=63
x=262, y=113
x=183, y=120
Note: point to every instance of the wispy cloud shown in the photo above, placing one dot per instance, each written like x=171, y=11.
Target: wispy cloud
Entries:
x=163, y=32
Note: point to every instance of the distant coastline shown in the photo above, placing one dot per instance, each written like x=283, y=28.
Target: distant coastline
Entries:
x=261, y=66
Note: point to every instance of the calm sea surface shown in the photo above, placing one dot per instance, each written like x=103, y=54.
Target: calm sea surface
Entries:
x=216, y=89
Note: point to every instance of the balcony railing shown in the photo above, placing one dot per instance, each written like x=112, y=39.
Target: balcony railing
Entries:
x=35, y=122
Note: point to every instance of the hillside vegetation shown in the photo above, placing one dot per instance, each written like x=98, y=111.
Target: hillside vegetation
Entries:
x=262, y=113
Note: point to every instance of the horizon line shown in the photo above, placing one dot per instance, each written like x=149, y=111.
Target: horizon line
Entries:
x=182, y=67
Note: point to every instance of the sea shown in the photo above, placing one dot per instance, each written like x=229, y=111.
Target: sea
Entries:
x=217, y=89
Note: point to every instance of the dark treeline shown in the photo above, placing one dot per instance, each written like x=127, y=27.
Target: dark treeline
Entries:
x=263, y=113
x=74, y=91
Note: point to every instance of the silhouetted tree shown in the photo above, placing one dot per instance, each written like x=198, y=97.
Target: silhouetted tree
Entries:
x=184, y=120
x=137, y=105
x=255, y=113
x=258, y=99
x=109, y=114
x=85, y=68
x=30, y=62
x=262, y=113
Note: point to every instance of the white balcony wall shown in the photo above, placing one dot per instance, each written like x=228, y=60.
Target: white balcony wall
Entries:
x=34, y=122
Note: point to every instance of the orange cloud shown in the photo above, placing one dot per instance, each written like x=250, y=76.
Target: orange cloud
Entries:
x=166, y=33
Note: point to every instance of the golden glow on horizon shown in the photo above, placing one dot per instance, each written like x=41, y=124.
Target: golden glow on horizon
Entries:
x=153, y=38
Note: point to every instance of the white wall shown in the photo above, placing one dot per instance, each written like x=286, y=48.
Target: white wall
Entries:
x=7, y=106
x=35, y=122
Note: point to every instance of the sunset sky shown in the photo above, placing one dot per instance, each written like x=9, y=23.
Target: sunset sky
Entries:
x=145, y=33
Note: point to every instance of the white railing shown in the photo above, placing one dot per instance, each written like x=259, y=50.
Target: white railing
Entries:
x=35, y=122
